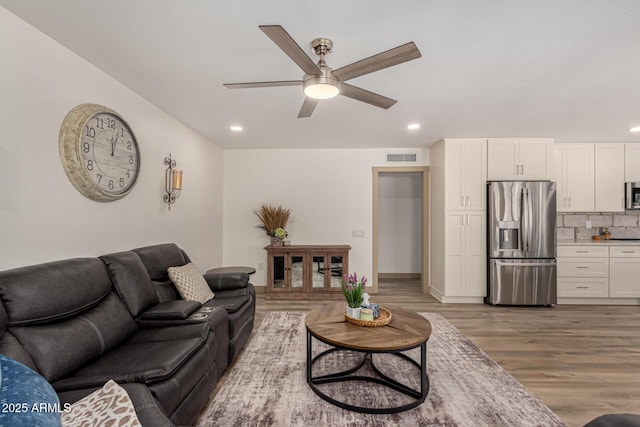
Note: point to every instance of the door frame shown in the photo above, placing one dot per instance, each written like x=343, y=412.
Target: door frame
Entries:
x=424, y=170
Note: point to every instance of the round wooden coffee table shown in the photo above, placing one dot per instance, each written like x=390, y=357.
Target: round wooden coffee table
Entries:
x=406, y=331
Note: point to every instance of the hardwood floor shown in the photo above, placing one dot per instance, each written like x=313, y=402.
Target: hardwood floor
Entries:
x=582, y=361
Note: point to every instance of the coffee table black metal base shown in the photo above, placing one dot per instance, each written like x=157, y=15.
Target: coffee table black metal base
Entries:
x=383, y=379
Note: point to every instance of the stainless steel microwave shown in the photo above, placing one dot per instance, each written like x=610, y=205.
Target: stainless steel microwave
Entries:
x=632, y=195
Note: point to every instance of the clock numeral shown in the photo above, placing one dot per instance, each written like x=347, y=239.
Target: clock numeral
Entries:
x=111, y=184
x=90, y=165
x=99, y=176
x=121, y=182
x=91, y=132
x=130, y=160
x=85, y=146
x=99, y=123
x=128, y=173
x=122, y=132
x=111, y=124
x=129, y=145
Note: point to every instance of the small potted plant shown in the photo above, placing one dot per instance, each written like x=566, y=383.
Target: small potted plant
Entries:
x=353, y=291
x=273, y=220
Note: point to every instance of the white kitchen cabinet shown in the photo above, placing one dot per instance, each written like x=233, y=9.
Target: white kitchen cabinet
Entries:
x=632, y=162
x=458, y=220
x=573, y=171
x=609, y=177
x=583, y=271
x=519, y=159
x=465, y=253
x=624, y=266
x=466, y=174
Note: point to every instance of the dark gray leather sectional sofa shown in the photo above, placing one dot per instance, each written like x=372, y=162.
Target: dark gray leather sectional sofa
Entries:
x=83, y=321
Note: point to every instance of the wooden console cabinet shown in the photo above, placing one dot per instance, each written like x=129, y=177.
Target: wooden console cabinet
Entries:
x=306, y=271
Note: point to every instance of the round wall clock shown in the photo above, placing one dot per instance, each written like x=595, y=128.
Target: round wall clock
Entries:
x=99, y=152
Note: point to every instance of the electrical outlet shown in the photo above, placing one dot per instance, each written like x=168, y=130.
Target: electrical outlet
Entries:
x=588, y=224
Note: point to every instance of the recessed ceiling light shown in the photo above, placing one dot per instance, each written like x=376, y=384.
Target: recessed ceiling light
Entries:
x=635, y=129
x=235, y=128
x=413, y=126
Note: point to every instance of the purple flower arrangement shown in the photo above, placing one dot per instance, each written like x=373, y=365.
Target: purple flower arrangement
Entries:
x=353, y=289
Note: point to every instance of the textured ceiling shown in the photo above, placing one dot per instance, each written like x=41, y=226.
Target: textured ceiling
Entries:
x=568, y=69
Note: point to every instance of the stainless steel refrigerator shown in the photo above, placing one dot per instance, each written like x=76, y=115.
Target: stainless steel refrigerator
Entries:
x=521, y=239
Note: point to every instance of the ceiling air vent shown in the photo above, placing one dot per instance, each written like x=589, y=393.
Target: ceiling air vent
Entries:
x=401, y=157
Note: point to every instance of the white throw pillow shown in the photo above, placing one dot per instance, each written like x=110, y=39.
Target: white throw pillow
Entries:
x=111, y=405
x=190, y=283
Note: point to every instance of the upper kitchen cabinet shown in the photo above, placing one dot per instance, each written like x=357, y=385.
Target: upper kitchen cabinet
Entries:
x=519, y=159
x=632, y=162
x=465, y=173
x=609, y=177
x=573, y=171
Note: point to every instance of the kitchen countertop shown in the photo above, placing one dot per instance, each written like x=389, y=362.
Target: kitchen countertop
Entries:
x=598, y=242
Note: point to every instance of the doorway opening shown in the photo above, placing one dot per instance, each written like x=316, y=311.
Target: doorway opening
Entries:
x=401, y=226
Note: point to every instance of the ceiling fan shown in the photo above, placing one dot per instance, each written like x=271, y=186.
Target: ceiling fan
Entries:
x=320, y=81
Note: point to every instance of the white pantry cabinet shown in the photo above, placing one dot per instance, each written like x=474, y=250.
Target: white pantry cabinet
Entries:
x=458, y=220
x=465, y=253
x=519, y=159
x=609, y=177
x=573, y=172
x=465, y=174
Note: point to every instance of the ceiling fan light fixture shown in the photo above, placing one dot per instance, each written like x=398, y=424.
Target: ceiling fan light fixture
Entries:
x=321, y=87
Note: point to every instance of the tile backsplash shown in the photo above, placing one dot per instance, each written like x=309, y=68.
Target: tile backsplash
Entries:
x=574, y=225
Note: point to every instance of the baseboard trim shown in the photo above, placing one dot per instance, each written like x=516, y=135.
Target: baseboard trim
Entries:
x=399, y=276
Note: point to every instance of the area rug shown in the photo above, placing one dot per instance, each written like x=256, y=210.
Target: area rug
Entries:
x=267, y=385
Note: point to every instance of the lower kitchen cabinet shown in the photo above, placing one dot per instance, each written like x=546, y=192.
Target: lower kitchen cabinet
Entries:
x=598, y=274
x=624, y=276
x=583, y=271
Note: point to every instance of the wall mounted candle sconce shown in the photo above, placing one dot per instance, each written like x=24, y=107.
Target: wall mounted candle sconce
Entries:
x=172, y=181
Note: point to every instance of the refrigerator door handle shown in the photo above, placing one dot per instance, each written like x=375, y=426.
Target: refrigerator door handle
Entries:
x=550, y=263
x=530, y=224
x=524, y=221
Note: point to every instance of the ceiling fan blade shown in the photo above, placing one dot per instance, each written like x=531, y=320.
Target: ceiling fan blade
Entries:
x=308, y=106
x=285, y=42
x=391, y=57
x=364, y=95
x=263, y=84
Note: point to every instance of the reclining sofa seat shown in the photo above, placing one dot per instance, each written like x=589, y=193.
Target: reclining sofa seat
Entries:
x=63, y=320
x=233, y=292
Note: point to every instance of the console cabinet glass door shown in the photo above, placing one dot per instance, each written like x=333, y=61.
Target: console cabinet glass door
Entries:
x=288, y=272
x=327, y=270
x=279, y=272
x=296, y=271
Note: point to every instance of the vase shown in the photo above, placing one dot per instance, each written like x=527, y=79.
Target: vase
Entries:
x=353, y=312
x=276, y=241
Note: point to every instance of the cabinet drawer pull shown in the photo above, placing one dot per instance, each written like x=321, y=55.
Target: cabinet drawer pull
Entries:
x=580, y=266
x=582, y=252
x=582, y=287
x=628, y=252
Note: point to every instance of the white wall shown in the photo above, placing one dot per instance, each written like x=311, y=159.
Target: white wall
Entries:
x=42, y=216
x=400, y=222
x=329, y=192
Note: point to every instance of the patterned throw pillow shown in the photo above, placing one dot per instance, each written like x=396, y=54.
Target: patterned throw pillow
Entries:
x=190, y=283
x=111, y=405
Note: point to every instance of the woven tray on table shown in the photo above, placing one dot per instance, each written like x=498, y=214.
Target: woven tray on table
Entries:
x=382, y=320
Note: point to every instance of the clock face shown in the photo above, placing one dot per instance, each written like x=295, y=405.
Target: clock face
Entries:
x=99, y=152
x=109, y=153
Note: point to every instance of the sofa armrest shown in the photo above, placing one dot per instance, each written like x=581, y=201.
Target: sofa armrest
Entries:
x=224, y=280
x=171, y=310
